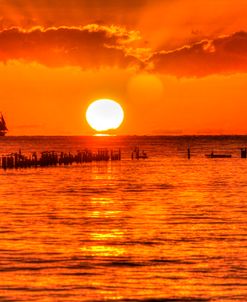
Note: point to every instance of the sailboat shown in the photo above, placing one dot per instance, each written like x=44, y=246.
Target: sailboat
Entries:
x=3, y=127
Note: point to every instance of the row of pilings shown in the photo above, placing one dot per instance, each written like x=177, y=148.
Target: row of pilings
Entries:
x=52, y=158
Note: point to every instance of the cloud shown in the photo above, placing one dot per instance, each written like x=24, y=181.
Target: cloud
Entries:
x=98, y=46
x=224, y=55
x=91, y=46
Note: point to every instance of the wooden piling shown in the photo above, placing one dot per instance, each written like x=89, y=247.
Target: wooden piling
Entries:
x=188, y=152
x=138, y=154
x=4, y=162
x=243, y=152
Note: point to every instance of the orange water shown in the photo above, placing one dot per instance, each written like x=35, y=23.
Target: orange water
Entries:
x=162, y=229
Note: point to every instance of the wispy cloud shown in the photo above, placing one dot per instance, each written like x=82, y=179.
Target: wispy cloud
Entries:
x=223, y=55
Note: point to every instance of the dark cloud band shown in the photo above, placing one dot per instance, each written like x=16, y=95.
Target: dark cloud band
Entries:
x=92, y=46
x=223, y=55
x=97, y=46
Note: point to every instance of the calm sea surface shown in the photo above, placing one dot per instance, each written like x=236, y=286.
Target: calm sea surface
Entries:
x=162, y=229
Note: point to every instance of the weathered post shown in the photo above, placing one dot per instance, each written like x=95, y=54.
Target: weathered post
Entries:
x=243, y=153
x=4, y=162
x=188, y=151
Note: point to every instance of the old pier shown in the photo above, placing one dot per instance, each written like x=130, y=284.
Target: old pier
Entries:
x=51, y=158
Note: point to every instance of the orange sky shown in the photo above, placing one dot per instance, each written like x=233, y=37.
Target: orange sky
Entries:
x=176, y=66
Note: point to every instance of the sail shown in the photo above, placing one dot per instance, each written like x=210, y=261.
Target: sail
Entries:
x=3, y=126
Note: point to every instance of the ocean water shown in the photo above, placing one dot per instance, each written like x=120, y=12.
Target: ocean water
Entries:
x=162, y=229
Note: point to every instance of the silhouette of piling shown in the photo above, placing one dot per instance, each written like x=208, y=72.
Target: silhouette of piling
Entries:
x=115, y=155
x=137, y=154
x=243, y=152
x=188, y=152
x=4, y=162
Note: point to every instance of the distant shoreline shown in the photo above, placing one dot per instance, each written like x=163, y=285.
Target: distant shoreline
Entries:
x=129, y=135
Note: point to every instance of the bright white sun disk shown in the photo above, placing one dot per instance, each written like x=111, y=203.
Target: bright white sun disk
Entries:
x=104, y=114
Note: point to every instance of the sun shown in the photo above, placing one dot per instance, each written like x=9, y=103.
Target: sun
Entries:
x=104, y=114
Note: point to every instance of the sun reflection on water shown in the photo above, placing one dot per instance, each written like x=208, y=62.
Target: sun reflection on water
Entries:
x=103, y=250
x=101, y=201
x=104, y=239
x=105, y=236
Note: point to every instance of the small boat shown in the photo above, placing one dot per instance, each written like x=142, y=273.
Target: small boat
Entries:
x=212, y=155
x=143, y=155
x=137, y=154
x=3, y=127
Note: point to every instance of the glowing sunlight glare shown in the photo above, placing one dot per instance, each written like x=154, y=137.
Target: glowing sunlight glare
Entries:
x=104, y=114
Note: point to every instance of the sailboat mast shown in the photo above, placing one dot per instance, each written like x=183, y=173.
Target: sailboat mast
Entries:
x=3, y=126
x=4, y=123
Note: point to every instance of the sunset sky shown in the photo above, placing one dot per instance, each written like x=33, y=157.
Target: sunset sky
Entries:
x=176, y=66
